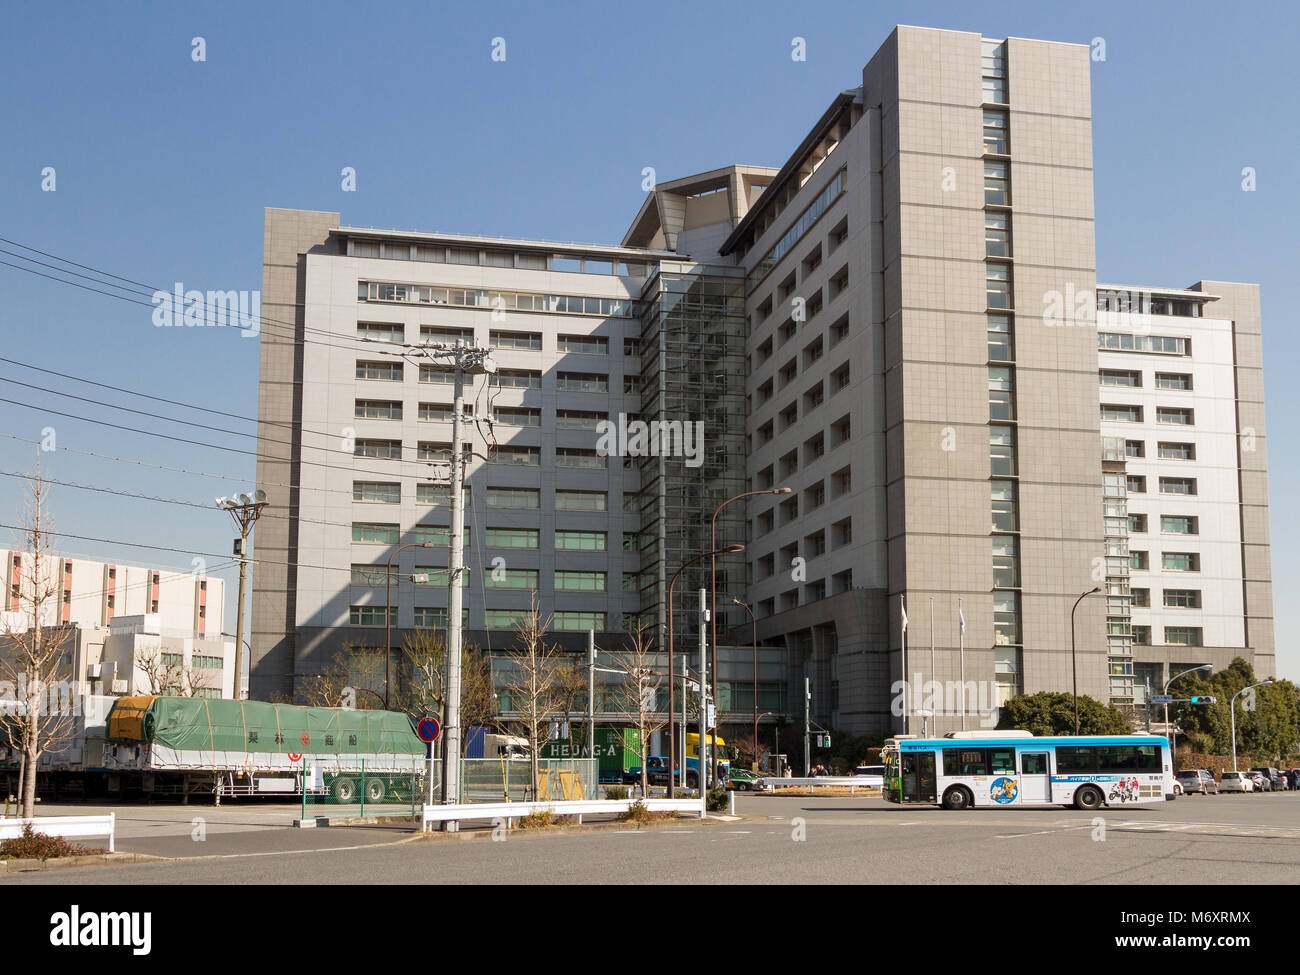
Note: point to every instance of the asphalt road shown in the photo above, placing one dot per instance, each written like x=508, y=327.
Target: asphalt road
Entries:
x=778, y=840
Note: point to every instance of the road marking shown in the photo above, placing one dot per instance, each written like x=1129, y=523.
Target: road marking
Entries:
x=737, y=832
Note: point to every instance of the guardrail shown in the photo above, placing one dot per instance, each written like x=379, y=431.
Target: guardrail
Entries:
x=510, y=811
x=69, y=827
x=851, y=782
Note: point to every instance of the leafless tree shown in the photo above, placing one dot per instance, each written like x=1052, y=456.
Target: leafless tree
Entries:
x=424, y=691
x=35, y=672
x=636, y=697
x=165, y=672
x=531, y=681
x=354, y=678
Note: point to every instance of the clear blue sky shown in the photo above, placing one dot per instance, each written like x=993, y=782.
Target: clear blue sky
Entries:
x=163, y=166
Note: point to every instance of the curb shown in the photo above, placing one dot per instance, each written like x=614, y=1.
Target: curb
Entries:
x=89, y=860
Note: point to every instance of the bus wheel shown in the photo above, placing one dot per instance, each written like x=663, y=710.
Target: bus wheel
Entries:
x=1088, y=798
x=958, y=797
x=374, y=790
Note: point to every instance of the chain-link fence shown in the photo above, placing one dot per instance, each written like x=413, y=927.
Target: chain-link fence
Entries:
x=336, y=787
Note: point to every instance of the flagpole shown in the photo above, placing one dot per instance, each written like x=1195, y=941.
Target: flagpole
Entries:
x=931, y=706
x=961, y=653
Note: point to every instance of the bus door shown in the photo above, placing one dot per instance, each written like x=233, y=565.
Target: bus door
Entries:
x=1035, y=777
x=918, y=779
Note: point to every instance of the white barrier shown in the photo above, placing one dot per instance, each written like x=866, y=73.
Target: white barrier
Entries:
x=69, y=827
x=851, y=782
x=510, y=811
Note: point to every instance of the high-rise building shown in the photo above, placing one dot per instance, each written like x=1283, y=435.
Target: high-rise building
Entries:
x=899, y=325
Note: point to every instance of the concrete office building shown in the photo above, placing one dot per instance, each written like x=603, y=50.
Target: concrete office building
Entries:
x=888, y=324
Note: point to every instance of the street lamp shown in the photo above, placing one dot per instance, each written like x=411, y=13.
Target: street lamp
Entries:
x=1170, y=730
x=245, y=509
x=1074, y=659
x=672, y=704
x=754, y=623
x=1232, y=707
x=388, y=609
x=713, y=601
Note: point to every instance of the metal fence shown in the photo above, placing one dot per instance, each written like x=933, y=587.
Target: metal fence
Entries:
x=335, y=789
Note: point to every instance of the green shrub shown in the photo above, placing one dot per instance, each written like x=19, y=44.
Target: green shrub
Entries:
x=615, y=792
x=537, y=820
x=717, y=800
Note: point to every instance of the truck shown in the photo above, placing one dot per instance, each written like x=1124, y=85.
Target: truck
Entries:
x=617, y=750
x=200, y=746
x=483, y=743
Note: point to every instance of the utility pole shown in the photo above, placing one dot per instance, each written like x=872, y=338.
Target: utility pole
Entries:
x=475, y=361
x=591, y=694
x=807, y=707
x=706, y=705
x=245, y=509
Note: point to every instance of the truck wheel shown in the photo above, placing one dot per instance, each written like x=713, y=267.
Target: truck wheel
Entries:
x=1088, y=797
x=345, y=790
x=692, y=780
x=375, y=790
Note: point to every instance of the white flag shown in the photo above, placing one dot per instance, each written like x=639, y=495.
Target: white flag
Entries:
x=961, y=619
x=903, y=609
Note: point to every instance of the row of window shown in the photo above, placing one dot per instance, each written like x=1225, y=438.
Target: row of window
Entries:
x=1169, y=561
x=1175, y=636
x=813, y=212
x=494, y=619
x=1130, y=342
x=499, y=300
x=1122, y=413
x=1165, y=450
x=1170, y=598
x=1186, y=486
x=1169, y=524
x=1132, y=379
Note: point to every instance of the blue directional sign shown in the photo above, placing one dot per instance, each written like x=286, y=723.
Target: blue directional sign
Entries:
x=428, y=729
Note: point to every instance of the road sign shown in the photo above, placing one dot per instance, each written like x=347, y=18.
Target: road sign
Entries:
x=428, y=729
x=1162, y=699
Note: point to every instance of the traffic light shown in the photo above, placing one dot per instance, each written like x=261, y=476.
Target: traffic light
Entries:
x=1203, y=700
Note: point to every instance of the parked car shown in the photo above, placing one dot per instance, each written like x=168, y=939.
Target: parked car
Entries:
x=1236, y=782
x=744, y=780
x=1278, y=778
x=1197, y=780
x=1262, y=783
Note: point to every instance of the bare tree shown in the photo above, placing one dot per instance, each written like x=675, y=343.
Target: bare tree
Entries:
x=636, y=697
x=425, y=690
x=531, y=681
x=354, y=678
x=34, y=665
x=165, y=672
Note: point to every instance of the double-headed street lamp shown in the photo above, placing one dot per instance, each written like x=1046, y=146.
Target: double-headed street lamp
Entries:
x=1074, y=659
x=1232, y=707
x=713, y=601
x=672, y=704
x=245, y=509
x=388, y=610
x=1168, y=729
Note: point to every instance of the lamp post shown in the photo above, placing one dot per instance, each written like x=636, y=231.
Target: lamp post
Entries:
x=1170, y=730
x=713, y=600
x=245, y=509
x=1232, y=707
x=388, y=610
x=1074, y=658
x=754, y=623
x=672, y=704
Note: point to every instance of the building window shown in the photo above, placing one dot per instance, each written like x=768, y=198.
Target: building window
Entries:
x=511, y=579
x=503, y=619
x=377, y=491
x=521, y=341
x=384, y=449
x=436, y=617
x=1180, y=562
x=1006, y=575
x=1138, y=559
x=385, y=371
x=512, y=538
x=580, y=457
x=631, y=385
x=511, y=497
x=516, y=379
x=997, y=233
x=997, y=183
x=381, y=332
x=1159, y=344
x=1173, y=380
x=370, y=615
x=1001, y=406
x=1178, y=485
x=579, y=541
x=378, y=409
x=521, y=456
x=1177, y=451
x=998, y=285
x=570, y=621
x=1135, y=448
x=1136, y=484
x=1121, y=377
x=1179, y=524
x=578, y=419
x=580, y=501
x=999, y=332
x=374, y=533
x=1142, y=636
x=995, y=131
x=1121, y=413
x=1141, y=598
x=1183, y=636
x=1004, y=505
x=518, y=416
x=582, y=344
x=1002, y=451
x=1137, y=523
x=573, y=581
x=1183, y=598
x=1178, y=416
x=581, y=382
x=1006, y=618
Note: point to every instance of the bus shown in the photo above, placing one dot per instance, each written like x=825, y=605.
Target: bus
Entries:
x=1014, y=769
x=721, y=756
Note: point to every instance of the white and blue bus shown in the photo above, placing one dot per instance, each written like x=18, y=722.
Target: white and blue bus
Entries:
x=1014, y=769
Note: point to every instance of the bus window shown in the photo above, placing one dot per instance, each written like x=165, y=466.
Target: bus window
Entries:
x=1073, y=760
x=1033, y=763
x=964, y=761
x=1002, y=761
x=918, y=778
